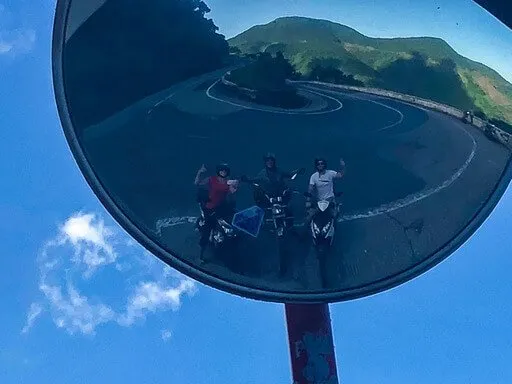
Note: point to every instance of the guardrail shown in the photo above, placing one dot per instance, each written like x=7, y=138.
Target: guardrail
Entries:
x=498, y=134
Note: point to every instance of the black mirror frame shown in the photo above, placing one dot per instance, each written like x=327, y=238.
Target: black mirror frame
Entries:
x=58, y=41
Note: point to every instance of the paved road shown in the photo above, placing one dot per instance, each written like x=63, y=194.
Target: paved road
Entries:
x=414, y=177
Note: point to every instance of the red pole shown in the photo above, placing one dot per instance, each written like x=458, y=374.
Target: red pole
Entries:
x=311, y=344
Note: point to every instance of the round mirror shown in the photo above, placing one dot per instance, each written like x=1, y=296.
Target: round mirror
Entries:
x=273, y=151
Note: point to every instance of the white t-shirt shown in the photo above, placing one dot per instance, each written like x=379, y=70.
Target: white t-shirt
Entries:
x=324, y=184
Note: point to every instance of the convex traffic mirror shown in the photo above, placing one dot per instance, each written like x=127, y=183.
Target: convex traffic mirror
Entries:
x=280, y=155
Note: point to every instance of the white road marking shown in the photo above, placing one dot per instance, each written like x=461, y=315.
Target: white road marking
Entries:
x=398, y=122
x=372, y=212
x=340, y=105
x=161, y=102
x=172, y=222
x=414, y=198
x=169, y=97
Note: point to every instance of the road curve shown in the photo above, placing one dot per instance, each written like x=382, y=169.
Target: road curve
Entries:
x=414, y=178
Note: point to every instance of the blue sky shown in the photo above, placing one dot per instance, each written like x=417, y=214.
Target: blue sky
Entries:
x=120, y=316
x=469, y=29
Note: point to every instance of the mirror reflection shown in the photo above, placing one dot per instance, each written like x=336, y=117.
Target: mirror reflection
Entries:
x=289, y=146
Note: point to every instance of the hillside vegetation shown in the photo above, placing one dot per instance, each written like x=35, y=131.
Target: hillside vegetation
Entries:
x=266, y=76
x=422, y=66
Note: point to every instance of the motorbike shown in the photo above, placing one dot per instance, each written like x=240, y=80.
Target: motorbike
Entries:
x=323, y=229
x=467, y=117
x=278, y=213
x=221, y=232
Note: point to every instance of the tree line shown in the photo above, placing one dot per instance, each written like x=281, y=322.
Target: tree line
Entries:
x=130, y=49
x=269, y=71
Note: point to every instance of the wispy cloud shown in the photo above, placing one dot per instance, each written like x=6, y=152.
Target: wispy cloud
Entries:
x=33, y=313
x=73, y=312
x=15, y=39
x=151, y=296
x=88, y=260
x=166, y=335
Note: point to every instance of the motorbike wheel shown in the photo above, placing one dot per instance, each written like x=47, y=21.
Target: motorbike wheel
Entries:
x=322, y=252
x=230, y=255
x=283, y=250
x=283, y=259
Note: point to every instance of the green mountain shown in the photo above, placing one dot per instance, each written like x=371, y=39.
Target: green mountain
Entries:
x=423, y=66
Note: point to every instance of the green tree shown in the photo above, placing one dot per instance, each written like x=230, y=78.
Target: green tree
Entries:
x=324, y=70
x=416, y=77
x=130, y=49
x=480, y=114
x=267, y=75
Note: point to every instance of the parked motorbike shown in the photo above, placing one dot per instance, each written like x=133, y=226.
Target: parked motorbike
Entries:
x=278, y=213
x=467, y=117
x=221, y=232
x=323, y=230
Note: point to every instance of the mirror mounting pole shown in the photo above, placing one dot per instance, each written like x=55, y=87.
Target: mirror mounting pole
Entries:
x=313, y=359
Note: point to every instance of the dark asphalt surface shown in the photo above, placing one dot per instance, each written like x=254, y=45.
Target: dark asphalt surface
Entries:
x=414, y=177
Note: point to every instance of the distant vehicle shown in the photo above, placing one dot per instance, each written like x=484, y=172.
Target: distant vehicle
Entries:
x=467, y=117
x=491, y=131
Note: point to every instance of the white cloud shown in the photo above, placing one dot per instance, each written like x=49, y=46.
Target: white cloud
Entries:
x=90, y=239
x=85, y=256
x=150, y=297
x=166, y=335
x=34, y=312
x=73, y=312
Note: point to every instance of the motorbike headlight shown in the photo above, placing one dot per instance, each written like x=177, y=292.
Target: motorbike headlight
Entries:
x=277, y=210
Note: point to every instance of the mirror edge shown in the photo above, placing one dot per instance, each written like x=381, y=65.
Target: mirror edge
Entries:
x=58, y=41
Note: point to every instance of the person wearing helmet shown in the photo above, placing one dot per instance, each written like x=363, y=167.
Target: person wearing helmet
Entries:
x=321, y=183
x=219, y=186
x=271, y=178
x=216, y=196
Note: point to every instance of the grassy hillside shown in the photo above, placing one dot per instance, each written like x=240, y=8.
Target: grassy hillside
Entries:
x=423, y=66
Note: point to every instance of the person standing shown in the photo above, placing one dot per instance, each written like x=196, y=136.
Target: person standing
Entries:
x=216, y=203
x=321, y=185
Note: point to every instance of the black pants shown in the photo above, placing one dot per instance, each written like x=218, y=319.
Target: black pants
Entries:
x=209, y=223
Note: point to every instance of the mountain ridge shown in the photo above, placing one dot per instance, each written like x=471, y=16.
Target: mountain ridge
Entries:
x=378, y=61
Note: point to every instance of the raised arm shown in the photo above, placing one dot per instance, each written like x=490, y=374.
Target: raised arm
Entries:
x=341, y=172
x=259, y=178
x=200, y=178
